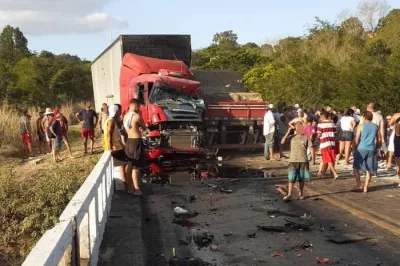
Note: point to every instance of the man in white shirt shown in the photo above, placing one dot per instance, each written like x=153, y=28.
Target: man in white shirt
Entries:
x=269, y=133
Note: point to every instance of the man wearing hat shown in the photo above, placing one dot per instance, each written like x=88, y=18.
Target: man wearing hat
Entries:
x=269, y=132
x=26, y=131
x=48, y=115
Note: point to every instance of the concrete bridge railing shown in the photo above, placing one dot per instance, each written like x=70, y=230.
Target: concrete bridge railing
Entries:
x=76, y=239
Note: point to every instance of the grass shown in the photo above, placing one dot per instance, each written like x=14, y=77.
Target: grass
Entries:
x=33, y=196
x=10, y=141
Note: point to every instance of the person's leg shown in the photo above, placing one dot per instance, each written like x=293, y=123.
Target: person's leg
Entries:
x=66, y=142
x=271, y=146
x=398, y=169
x=367, y=181
x=266, y=147
x=341, y=150
x=357, y=177
x=313, y=148
x=322, y=170
x=135, y=179
x=301, y=192
x=126, y=182
x=332, y=169
x=347, y=152
x=374, y=170
x=91, y=145
x=54, y=152
x=390, y=160
x=85, y=140
x=290, y=190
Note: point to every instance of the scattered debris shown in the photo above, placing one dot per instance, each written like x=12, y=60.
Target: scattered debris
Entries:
x=219, y=158
x=183, y=222
x=316, y=199
x=299, y=255
x=273, y=228
x=322, y=228
x=202, y=238
x=227, y=191
x=212, y=186
x=323, y=261
x=183, y=242
x=214, y=248
x=179, y=210
x=187, y=261
x=191, y=198
x=228, y=234
x=275, y=255
x=303, y=246
x=213, y=209
x=234, y=180
x=252, y=235
x=345, y=238
x=300, y=224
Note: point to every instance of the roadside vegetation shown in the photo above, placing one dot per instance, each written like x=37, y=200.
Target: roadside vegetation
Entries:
x=33, y=196
x=344, y=63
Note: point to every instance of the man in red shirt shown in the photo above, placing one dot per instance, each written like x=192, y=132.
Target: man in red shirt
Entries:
x=326, y=133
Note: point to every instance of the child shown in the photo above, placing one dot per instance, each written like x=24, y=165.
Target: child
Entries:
x=310, y=132
x=298, y=163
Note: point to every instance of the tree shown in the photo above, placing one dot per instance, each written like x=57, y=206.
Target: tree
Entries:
x=352, y=26
x=371, y=11
x=13, y=45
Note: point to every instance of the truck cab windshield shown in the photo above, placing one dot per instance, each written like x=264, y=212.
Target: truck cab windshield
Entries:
x=163, y=93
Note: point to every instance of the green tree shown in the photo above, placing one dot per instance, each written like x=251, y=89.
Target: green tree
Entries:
x=13, y=45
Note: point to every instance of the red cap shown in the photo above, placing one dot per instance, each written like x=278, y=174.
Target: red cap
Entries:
x=56, y=111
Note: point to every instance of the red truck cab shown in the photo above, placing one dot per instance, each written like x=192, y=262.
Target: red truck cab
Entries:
x=167, y=92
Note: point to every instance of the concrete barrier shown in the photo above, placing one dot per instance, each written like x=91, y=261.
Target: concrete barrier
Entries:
x=76, y=239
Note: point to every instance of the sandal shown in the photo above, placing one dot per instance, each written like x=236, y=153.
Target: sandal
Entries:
x=287, y=198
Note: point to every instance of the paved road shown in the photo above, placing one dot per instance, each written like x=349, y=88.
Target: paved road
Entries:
x=231, y=218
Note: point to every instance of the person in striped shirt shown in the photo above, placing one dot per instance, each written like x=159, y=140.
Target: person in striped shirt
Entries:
x=326, y=133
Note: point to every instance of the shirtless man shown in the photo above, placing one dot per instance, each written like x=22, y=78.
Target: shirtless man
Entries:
x=134, y=124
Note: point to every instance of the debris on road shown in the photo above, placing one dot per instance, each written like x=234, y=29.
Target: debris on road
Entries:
x=183, y=222
x=227, y=191
x=345, y=238
x=323, y=260
x=228, y=234
x=191, y=198
x=187, y=261
x=306, y=245
x=300, y=224
x=275, y=255
x=252, y=235
x=214, y=248
x=201, y=237
x=179, y=210
x=273, y=228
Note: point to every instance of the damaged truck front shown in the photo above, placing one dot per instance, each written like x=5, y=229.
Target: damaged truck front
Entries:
x=170, y=106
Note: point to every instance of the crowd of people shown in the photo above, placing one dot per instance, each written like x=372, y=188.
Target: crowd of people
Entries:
x=122, y=137
x=340, y=136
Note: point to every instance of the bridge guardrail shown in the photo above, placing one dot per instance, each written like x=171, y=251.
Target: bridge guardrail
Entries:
x=76, y=239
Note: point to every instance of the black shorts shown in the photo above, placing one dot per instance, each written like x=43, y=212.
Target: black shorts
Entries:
x=119, y=158
x=41, y=137
x=134, y=151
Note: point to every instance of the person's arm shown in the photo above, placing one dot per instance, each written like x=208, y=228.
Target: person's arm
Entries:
x=111, y=127
x=140, y=122
x=52, y=129
x=292, y=123
x=358, y=135
x=284, y=139
x=77, y=115
x=353, y=124
x=100, y=124
x=381, y=132
x=96, y=119
x=66, y=124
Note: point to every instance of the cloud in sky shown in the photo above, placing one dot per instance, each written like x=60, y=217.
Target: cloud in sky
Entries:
x=40, y=17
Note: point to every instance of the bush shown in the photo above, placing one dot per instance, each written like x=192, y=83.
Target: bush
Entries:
x=30, y=207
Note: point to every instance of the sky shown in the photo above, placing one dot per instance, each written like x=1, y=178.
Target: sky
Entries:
x=86, y=27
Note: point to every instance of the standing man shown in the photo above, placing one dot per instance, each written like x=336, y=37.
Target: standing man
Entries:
x=134, y=124
x=88, y=118
x=64, y=128
x=269, y=132
x=48, y=116
x=103, y=117
x=57, y=136
x=26, y=132
x=326, y=133
x=41, y=134
x=283, y=124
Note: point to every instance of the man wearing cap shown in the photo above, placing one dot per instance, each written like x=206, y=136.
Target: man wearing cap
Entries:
x=269, y=133
x=301, y=117
x=48, y=115
x=26, y=132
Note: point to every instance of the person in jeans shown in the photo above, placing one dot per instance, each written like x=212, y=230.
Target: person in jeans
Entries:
x=367, y=139
x=269, y=133
x=346, y=125
x=88, y=118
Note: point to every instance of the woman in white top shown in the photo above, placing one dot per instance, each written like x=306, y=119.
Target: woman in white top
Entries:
x=347, y=125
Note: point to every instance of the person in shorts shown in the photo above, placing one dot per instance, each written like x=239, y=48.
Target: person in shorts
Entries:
x=326, y=133
x=48, y=116
x=134, y=149
x=269, y=133
x=396, y=143
x=346, y=136
x=367, y=139
x=26, y=132
x=57, y=137
x=88, y=118
x=41, y=133
x=298, y=162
